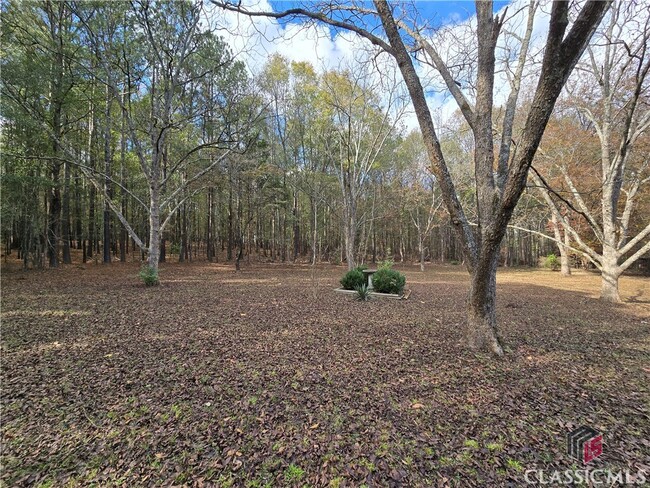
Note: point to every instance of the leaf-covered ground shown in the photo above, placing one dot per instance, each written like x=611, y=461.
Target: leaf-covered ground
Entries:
x=268, y=378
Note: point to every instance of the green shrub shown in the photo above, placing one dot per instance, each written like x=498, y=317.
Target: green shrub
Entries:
x=353, y=279
x=149, y=276
x=363, y=293
x=552, y=262
x=388, y=281
x=386, y=263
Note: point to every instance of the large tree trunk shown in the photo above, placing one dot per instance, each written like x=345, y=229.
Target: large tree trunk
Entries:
x=609, y=276
x=482, y=333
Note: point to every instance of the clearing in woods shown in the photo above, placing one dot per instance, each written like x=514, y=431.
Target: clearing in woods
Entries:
x=269, y=378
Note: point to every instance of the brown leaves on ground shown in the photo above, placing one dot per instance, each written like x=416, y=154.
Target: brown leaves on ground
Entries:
x=269, y=378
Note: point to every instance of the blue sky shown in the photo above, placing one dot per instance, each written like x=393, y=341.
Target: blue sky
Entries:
x=459, y=10
x=437, y=11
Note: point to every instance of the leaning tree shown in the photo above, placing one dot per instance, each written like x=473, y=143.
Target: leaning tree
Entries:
x=501, y=174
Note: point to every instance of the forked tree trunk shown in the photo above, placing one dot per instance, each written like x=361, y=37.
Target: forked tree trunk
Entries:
x=482, y=332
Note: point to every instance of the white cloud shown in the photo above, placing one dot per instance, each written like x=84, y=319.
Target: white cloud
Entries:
x=254, y=40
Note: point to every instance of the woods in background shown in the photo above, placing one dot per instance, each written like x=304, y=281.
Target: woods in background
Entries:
x=132, y=132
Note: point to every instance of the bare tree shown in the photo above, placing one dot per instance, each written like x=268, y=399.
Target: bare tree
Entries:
x=175, y=50
x=617, y=66
x=154, y=63
x=423, y=201
x=497, y=196
x=361, y=124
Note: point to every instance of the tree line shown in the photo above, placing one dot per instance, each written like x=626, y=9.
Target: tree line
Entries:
x=131, y=131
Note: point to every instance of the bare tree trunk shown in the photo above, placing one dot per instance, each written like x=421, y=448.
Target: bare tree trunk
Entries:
x=123, y=195
x=231, y=236
x=350, y=228
x=482, y=333
x=154, y=227
x=65, y=217
x=421, y=249
x=209, y=248
x=609, y=275
x=296, y=228
x=108, y=156
x=314, y=232
x=564, y=251
x=565, y=264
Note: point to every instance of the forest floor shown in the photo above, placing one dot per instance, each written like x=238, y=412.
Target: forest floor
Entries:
x=268, y=378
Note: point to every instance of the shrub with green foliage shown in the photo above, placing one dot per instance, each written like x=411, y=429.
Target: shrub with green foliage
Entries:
x=387, y=280
x=149, y=276
x=552, y=262
x=386, y=264
x=353, y=279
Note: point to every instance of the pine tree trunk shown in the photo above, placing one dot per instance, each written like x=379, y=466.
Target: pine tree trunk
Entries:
x=123, y=234
x=65, y=217
x=209, y=248
x=231, y=236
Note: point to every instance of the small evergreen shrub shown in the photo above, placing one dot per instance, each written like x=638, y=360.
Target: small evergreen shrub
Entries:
x=363, y=293
x=388, y=281
x=149, y=276
x=386, y=264
x=353, y=279
x=552, y=262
